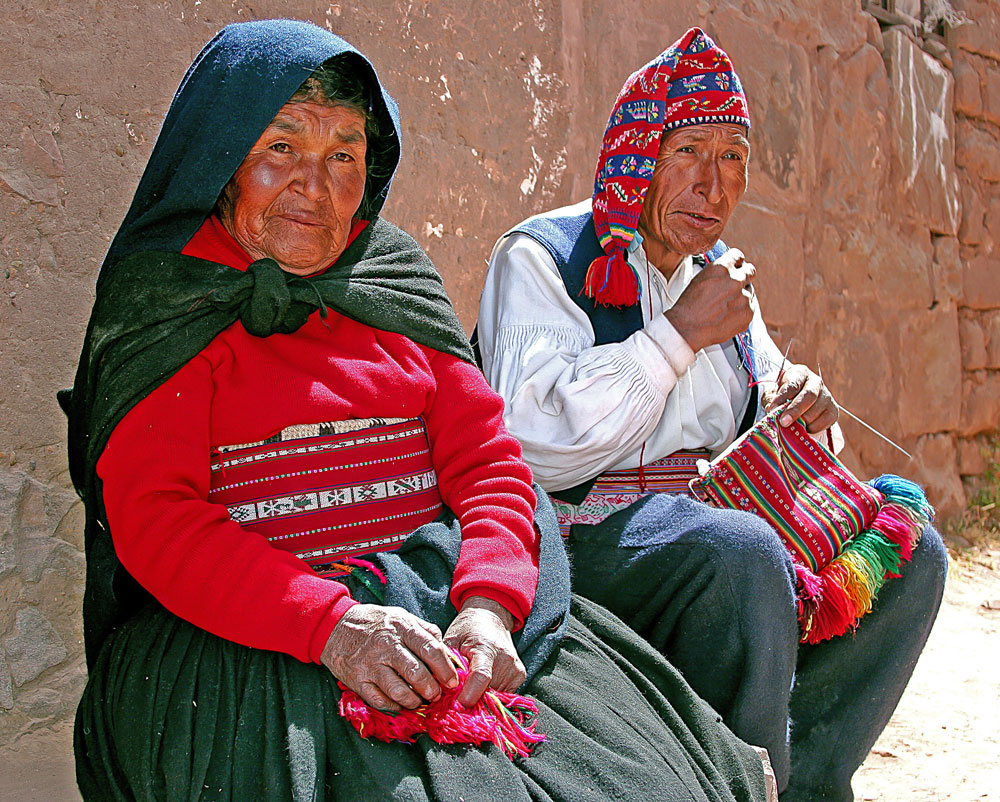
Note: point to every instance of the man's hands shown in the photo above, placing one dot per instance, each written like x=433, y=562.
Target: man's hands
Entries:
x=389, y=657
x=715, y=306
x=393, y=659
x=481, y=632
x=811, y=400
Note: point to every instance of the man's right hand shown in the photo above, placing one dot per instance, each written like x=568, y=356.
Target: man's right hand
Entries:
x=389, y=657
x=715, y=306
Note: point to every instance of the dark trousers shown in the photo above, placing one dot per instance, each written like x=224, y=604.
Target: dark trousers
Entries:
x=713, y=590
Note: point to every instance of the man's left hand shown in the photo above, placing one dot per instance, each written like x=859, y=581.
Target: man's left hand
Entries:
x=481, y=632
x=810, y=399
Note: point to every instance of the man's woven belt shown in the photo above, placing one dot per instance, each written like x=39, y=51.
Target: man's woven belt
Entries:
x=616, y=490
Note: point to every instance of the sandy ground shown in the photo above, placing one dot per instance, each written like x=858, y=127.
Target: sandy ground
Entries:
x=943, y=743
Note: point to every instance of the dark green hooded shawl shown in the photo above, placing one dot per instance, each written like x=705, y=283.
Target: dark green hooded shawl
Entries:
x=156, y=309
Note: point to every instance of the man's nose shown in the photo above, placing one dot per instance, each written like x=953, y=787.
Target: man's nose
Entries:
x=709, y=180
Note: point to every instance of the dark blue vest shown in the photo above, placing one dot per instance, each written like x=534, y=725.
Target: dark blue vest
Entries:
x=573, y=245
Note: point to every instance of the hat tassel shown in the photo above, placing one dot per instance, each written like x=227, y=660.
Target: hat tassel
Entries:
x=612, y=281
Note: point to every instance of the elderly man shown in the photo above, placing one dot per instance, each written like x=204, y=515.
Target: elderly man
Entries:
x=627, y=343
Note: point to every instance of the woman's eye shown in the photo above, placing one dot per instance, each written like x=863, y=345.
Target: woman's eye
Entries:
x=342, y=156
x=685, y=149
x=735, y=155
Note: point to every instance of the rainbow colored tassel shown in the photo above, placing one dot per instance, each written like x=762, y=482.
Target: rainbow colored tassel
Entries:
x=833, y=600
x=612, y=281
x=506, y=720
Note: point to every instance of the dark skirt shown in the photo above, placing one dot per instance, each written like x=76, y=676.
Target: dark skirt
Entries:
x=172, y=712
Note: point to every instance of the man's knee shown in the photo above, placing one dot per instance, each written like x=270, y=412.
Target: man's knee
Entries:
x=923, y=578
x=748, y=549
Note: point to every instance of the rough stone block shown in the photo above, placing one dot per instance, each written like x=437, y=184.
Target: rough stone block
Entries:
x=782, y=134
x=946, y=270
x=980, y=403
x=772, y=241
x=981, y=282
x=991, y=331
x=10, y=491
x=900, y=267
x=972, y=456
x=930, y=368
x=936, y=469
x=34, y=646
x=991, y=217
x=41, y=704
x=968, y=92
x=991, y=93
x=972, y=230
x=6, y=689
x=977, y=150
x=921, y=105
x=978, y=35
x=852, y=130
x=973, y=339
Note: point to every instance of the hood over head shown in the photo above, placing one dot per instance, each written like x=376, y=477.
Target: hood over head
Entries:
x=227, y=98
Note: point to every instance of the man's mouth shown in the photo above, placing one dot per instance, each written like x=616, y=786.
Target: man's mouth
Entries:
x=700, y=220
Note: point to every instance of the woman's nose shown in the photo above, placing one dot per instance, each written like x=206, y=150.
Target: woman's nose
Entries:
x=312, y=178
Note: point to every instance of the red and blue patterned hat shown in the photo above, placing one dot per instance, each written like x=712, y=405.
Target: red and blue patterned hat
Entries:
x=689, y=83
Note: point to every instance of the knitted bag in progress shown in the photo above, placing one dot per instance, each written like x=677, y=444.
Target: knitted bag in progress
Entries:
x=846, y=537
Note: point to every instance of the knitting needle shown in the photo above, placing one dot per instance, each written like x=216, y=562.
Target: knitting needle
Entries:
x=872, y=429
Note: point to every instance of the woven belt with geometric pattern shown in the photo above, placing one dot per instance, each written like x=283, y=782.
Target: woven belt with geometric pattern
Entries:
x=328, y=491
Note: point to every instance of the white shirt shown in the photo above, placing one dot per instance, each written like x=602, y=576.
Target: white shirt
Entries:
x=580, y=409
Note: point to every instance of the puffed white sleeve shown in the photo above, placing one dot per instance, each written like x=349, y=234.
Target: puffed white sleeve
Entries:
x=577, y=408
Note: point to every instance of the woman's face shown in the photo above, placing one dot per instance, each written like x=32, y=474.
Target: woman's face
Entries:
x=294, y=197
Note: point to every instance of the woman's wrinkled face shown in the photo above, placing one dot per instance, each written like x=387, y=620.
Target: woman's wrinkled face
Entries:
x=295, y=195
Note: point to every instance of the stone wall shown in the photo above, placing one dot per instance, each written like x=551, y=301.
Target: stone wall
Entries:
x=873, y=215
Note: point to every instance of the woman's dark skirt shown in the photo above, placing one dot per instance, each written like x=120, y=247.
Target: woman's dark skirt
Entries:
x=173, y=713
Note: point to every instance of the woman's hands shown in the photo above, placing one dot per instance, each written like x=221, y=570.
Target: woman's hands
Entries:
x=810, y=399
x=393, y=659
x=481, y=632
x=389, y=657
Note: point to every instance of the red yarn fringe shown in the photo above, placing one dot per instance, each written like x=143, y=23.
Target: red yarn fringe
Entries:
x=506, y=720
x=611, y=281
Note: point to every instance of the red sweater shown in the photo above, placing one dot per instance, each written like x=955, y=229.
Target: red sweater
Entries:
x=210, y=571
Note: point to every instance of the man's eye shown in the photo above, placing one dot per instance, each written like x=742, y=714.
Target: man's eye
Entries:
x=685, y=149
x=281, y=147
x=342, y=156
x=736, y=155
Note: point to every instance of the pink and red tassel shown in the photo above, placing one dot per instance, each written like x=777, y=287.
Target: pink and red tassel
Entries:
x=506, y=720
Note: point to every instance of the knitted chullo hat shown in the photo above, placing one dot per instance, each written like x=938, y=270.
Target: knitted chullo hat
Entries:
x=689, y=83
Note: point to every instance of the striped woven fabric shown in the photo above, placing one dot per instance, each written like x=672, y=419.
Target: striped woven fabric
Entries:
x=332, y=495
x=616, y=490
x=845, y=536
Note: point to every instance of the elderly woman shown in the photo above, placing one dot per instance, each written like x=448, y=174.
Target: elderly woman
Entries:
x=294, y=475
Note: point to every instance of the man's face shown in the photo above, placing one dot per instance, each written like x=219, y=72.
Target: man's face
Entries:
x=700, y=176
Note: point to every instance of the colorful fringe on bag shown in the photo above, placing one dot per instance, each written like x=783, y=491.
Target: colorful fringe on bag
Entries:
x=506, y=720
x=845, y=537
x=833, y=600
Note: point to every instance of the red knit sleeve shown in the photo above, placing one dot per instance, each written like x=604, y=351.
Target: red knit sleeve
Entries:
x=185, y=550
x=484, y=481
